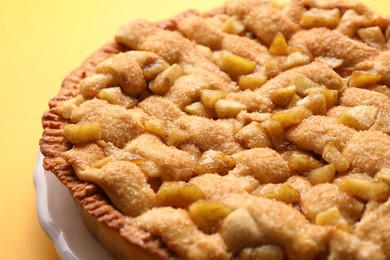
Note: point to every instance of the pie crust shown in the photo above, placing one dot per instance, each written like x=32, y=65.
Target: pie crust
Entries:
x=256, y=130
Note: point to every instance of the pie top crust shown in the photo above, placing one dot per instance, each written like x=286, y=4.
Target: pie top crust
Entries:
x=257, y=130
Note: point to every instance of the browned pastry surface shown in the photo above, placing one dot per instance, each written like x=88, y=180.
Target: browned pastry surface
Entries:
x=254, y=131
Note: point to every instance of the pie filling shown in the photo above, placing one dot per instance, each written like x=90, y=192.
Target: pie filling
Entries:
x=260, y=132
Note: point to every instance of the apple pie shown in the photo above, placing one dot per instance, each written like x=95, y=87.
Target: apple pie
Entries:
x=258, y=130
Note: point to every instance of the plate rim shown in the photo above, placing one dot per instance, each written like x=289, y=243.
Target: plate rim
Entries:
x=55, y=234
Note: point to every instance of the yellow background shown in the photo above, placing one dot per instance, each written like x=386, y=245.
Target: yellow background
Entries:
x=40, y=42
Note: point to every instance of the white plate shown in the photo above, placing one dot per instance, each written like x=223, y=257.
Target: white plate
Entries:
x=59, y=217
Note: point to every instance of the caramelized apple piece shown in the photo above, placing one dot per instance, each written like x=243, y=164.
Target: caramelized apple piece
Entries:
x=332, y=155
x=373, y=36
x=331, y=97
x=320, y=18
x=235, y=65
x=178, y=194
x=206, y=51
x=115, y=96
x=276, y=133
x=303, y=162
x=208, y=97
x=364, y=187
x=233, y=25
x=316, y=103
x=163, y=81
x=296, y=59
x=303, y=84
x=291, y=116
x=251, y=81
x=360, y=117
x=253, y=136
x=227, y=108
x=322, y=174
x=361, y=79
x=294, y=100
x=155, y=68
x=176, y=136
x=82, y=133
x=279, y=45
x=157, y=127
x=333, y=217
x=90, y=86
x=207, y=214
x=198, y=109
x=280, y=191
x=282, y=96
